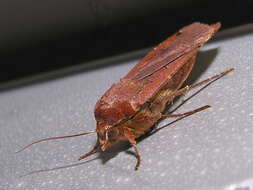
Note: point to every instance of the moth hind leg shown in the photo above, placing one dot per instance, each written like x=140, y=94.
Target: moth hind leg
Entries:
x=187, y=113
x=182, y=91
x=211, y=79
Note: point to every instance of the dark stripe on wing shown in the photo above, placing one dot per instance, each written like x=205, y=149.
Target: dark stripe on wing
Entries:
x=157, y=65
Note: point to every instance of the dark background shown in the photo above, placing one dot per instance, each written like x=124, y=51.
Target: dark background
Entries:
x=41, y=36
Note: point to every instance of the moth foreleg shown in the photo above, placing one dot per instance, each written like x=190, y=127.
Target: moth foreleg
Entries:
x=93, y=151
x=131, y=138
x=138, y=156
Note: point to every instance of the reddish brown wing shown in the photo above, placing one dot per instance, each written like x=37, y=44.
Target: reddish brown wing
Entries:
x=184, y=41
x=143, y=82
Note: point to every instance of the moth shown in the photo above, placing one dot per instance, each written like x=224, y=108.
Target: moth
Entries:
x=137, y=101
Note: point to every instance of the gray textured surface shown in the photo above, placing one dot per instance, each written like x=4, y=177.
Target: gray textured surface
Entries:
x=210, y=150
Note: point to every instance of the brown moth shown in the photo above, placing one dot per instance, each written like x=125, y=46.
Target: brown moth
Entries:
x=137, y=101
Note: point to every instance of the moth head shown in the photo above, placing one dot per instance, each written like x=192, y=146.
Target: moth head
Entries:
x=107, y=136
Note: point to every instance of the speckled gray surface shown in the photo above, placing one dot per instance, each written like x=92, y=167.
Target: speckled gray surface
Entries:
x=209, y=150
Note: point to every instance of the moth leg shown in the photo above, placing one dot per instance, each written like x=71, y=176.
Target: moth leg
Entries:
x=131, y=138
x=93, y=151
x=187, y=88
x=187, y=113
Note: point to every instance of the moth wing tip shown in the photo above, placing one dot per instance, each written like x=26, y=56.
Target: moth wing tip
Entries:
x=216, y=26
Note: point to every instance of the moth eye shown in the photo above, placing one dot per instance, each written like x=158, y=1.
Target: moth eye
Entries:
x=101, y=136
x=112, y=134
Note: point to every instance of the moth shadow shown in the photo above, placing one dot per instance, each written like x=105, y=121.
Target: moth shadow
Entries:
x=103, y=156
x=203, y=62
x=113, y=151
x=58, y=168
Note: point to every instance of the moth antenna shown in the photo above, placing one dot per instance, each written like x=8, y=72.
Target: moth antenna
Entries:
x=54, y=138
